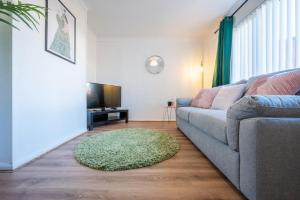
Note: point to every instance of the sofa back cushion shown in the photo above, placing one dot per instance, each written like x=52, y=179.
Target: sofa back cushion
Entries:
x=287, y=83
x=205, y=98
x=227, y=96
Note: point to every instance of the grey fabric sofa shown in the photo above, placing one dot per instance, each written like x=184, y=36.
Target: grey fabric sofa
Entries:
x=255, y=144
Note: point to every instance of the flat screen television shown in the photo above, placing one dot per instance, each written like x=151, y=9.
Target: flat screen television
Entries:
x=103, y=96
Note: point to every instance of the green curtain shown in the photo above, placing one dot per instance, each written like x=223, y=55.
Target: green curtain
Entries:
x=223, y=60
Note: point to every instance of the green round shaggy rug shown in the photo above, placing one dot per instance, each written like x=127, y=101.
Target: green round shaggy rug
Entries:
x=126, y=149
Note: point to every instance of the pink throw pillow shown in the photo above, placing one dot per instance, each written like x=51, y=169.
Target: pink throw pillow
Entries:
x=227, y=96
x=196, y=98
x=287, y=83
x=255, y=84
x=205, y=97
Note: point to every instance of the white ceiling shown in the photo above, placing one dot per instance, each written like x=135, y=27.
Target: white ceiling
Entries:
x=154, y=18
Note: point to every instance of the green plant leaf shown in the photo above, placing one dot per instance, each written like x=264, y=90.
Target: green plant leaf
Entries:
x=23, y=12
x=8, y=23
x=8, y=14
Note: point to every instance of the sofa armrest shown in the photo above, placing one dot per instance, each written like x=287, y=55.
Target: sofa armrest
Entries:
x=259, y=106
x=269, y=158
x=183, y=102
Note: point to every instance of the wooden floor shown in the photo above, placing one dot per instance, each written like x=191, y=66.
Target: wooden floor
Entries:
x=56, y=176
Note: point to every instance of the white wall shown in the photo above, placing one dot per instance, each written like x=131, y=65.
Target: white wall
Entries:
x=49, y=102
x=121, y=61
x=91, y=56
x=210, y=47
x=6, y=97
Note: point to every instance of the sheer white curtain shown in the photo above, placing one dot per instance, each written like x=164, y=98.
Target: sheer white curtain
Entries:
x=268, y=40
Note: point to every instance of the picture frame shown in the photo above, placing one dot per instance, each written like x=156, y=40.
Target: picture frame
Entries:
x=60, y=31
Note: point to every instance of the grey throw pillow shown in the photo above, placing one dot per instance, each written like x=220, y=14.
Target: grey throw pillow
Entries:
x=259, y=106
x=265, y=106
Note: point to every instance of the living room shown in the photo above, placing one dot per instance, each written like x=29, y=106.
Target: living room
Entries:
x=142, y=99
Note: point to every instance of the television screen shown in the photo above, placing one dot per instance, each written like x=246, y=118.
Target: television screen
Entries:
x=103, y=96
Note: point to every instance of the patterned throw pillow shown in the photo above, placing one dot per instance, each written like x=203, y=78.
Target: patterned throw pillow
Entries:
x=287, y=83
x=205, y=98
x=227, y=96
x=255, y=84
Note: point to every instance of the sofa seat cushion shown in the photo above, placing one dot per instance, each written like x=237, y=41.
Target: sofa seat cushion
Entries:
x=184, y=112
x=211, y=122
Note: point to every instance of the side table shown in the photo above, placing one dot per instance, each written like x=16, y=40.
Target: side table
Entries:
x=167, y=113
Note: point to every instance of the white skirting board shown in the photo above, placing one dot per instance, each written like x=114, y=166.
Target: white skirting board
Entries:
x=5, y=166
x=29, y=158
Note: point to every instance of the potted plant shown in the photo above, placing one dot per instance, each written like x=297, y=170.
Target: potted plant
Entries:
x=21, y=12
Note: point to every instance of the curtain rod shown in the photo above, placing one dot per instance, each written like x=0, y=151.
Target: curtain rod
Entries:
x=237, y=10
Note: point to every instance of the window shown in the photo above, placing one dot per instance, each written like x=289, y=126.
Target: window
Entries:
x=267, y=40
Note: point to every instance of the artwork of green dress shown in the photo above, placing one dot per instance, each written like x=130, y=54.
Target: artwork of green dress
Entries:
x=61, y=42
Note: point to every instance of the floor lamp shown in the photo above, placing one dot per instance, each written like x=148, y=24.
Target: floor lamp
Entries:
x=202, y=74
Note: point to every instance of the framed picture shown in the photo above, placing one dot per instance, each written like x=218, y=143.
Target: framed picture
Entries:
x=60, y=31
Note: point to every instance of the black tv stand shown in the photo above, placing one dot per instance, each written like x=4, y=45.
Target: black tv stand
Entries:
x=99, y=117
